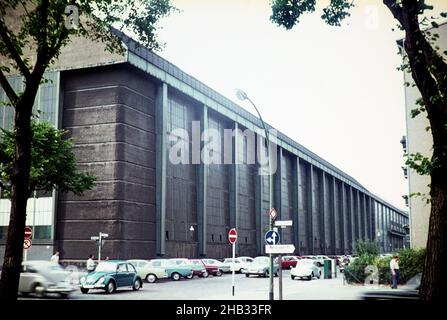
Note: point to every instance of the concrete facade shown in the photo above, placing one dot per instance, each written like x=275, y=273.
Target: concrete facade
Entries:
x=122, y=116
x=419, y=139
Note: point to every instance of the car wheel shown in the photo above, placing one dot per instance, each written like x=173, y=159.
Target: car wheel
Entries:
x=205, y=274
x=111, y=287
x=136, y=285
x=292, y=277
x=190, y=276
x=84, y=290
x=151, y=278
x=242, y=270
x=39, y=290
x=218, y=273
x=247, y=275
x=175, y=276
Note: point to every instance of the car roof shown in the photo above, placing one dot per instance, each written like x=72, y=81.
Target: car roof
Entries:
x=38, y=262
x=113, y=261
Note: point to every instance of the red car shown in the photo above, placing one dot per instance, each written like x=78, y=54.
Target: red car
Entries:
x=212, y=269
x=287, y=262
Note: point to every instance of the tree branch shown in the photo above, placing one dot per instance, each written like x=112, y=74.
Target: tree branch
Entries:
x=395, y=9
x=7, y=88
x=14, y=54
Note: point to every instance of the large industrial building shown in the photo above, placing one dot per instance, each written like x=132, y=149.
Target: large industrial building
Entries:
x=121, y=112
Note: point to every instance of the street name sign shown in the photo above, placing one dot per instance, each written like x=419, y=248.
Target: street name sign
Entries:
x=283, y=223
x=280, y=248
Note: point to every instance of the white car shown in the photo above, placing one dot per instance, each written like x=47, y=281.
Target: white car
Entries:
x=151, y=271
x=320, y=260
x=306, y=268
x=238, y=265
x=224, y=267
x=43, y=277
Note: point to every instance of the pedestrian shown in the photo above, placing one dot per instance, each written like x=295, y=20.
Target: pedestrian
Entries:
x=90, y=263
x=395, y=273
x=55, y=257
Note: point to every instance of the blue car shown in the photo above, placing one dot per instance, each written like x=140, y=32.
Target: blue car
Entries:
x=111, y=275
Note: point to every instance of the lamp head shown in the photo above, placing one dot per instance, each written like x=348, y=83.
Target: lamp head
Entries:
x=241, y=95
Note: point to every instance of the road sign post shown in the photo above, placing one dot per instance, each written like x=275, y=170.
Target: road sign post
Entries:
x=232, y=238
x=100, y=240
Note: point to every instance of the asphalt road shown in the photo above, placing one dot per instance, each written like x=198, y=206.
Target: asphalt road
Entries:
x=219, y=288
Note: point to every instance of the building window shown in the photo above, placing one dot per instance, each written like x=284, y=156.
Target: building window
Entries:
x=167, y=235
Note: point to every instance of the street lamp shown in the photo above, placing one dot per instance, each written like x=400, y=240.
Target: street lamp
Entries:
x=241, y=95
x=379, y=240
x=191, y=229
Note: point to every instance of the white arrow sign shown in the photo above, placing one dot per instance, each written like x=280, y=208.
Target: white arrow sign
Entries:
x=280, y=248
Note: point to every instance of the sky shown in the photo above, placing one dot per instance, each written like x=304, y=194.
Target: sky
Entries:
x=335, y=90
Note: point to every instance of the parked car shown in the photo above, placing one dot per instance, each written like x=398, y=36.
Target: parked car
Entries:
x=307, y=268
x=198, y=269
x=44, y=277
x=224, y=267
x=212, y=269
x=146, y=270
x=260, y=267
x=111, y=275
x=238, y=265
x=287, y=262
x=410, y=291
x=320, y=260
x=199, y=265
x=173, y=270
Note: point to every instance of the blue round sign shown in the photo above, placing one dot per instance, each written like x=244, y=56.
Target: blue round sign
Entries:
x=272, y=237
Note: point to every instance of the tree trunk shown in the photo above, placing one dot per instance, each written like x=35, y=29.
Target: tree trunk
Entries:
x=19, y=196
x=434, y=277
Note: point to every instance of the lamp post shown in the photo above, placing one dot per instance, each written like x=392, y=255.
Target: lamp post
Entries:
x=379, y=241
x=191, y=228
x=241, y=95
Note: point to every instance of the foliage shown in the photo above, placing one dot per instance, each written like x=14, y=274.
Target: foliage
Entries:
x=53, y=165
x=411, y=263
x=362, y=247
x=355, y=272
x=286, y=13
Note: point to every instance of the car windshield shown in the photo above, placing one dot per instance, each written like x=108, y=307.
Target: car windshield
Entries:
x=106, y=267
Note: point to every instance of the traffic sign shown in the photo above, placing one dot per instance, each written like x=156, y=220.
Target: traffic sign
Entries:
x=28, y=232
x=272, y=237
x=280, y=248
x=283, y=223
x=27, y=244
x=273, y=213
x=232, y=235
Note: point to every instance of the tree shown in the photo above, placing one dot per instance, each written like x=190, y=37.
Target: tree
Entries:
x=368, y=247
x=44, y=27
x=429, y=71
x=53, y=164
